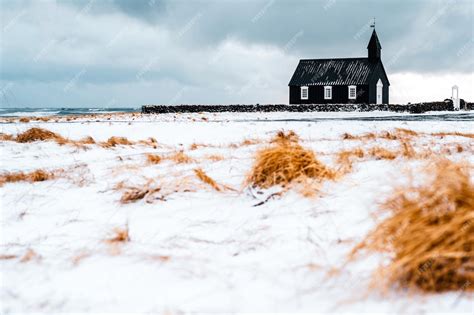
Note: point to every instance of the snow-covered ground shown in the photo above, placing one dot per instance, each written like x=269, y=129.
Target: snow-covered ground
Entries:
x=200, y=250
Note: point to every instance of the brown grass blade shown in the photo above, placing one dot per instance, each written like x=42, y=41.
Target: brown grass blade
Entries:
x=206, y=179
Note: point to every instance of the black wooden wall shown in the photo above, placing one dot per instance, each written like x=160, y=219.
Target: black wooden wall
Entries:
x=379, y=73
x=340, y=95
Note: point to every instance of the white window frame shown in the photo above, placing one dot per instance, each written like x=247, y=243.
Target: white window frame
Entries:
x=352, y=88
x=326, y=96
x=304, y=89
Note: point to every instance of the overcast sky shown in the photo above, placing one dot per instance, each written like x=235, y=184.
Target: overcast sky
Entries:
x=114, y=53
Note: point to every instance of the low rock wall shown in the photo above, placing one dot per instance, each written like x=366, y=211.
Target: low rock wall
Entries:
x=410, y=108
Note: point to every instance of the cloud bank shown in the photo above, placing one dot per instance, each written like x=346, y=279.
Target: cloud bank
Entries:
x=114, y=53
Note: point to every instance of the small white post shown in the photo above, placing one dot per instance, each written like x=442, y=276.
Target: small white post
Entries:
x=456, y=101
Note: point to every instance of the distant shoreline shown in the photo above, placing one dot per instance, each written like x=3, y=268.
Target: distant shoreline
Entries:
x=42, y=112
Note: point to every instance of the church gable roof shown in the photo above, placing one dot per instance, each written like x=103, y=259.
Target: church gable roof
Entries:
x=341, y=71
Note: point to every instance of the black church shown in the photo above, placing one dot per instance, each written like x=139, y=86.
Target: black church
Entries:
x=342, y=80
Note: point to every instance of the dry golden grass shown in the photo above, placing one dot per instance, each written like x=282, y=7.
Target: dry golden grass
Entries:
x=380, y=153
x=429, y=233
x=348, y=136
x=86, y=140
x=120, y=235
x=247, y=142
x=283, y=137
x=285, y=161
x=407, y=150
x=46, y=135
x=397, y=134
x=7, y=257
x=133, y=194
x=158, y=190
x=214, y=157
x=387, y=135
x=366, y=136
x=37, y=134
x=458, y=134
x=6, y=137
x=180, y=157
x=153, y=158
x=34, y=176
x=150, y=142
x=402, y=134
x=40, y=134
x=160, y=258
x=357, y=152
x=114, y=141
x=407, y=132
x=244, y=143
x=195, y=146
x=29, y=256
x=206, y=179
x=47, y=118
x=76, y=259
x=345, y=158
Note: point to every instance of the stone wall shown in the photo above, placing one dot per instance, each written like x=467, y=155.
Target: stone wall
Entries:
x=410, y=108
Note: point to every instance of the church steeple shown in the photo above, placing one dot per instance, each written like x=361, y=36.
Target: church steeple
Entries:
x=374, y=48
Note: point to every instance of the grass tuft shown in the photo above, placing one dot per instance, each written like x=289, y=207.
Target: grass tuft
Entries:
x=397, y=134
x=153, y=158
x=29, y=256
x=133, y=194
x=380, y=153
x=34, y=176
x=114, y=141
x=37, y=134
x=283, y=137
x=215, y=157
x=181, y=158
x=429, y=233
x=284, y=161
x=6, y=137
x=345, y=158
x=120, y=235
x=86, y=140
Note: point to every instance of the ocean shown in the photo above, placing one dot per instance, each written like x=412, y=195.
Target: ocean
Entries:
x=20, y=112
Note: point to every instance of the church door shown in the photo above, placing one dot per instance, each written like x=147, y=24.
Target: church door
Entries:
x=379, y=92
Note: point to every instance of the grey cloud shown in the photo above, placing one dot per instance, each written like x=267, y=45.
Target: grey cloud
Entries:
x=146, y=10
x=114, y=40
x=331, y=27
